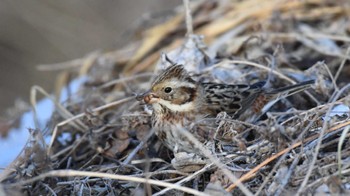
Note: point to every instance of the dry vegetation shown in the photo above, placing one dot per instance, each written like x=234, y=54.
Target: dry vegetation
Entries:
x=101, y=137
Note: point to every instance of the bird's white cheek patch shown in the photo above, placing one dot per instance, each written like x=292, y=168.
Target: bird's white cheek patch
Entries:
x=175, y=107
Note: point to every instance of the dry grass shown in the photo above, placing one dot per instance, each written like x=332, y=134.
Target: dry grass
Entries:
x=299, y=146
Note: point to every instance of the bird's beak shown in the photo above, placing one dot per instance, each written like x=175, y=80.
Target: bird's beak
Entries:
x=148, y=97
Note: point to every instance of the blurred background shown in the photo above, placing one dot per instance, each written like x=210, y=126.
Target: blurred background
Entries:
x=37, y=32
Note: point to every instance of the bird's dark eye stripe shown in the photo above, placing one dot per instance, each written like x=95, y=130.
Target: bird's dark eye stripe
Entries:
x=190, y=91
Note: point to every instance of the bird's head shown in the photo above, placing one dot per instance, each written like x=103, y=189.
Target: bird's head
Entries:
x=174, y=89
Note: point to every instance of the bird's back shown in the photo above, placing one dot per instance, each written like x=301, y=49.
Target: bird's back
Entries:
x=236, y=99
x=233, y=99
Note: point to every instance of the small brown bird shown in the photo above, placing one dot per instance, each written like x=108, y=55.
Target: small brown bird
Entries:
x=178, y=100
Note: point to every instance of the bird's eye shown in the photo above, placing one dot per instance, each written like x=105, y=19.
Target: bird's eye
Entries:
x=168, y=89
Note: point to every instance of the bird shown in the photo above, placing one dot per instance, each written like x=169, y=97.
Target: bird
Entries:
x=178, y=100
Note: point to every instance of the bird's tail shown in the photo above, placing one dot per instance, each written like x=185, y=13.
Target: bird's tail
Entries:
x=292, y=88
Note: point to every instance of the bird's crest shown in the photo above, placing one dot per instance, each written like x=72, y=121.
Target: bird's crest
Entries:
x=173, y=72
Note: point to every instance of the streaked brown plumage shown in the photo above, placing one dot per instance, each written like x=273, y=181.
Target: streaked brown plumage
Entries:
x=178, y=100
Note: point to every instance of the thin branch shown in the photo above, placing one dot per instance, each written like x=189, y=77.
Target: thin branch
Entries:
x=189, y=24
x=75, y=173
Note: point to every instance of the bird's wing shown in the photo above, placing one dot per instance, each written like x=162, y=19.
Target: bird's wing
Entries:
x=233, y=99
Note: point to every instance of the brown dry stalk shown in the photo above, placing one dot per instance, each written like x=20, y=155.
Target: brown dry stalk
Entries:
x=76, y=173
x=252, y=172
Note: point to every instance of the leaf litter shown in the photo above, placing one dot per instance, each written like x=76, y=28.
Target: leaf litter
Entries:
x=102, y=142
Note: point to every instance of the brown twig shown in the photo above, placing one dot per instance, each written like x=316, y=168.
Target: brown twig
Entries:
x=252, y=172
